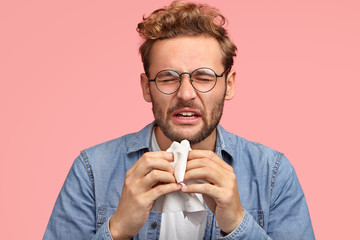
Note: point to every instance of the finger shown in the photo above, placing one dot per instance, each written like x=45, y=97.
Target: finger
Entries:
x=196, y=154
x=201, y=162
x=203, y=188
x=208, y=174
x=157, y=176
x=152, y=160
x=158, y=154
x=162, y=189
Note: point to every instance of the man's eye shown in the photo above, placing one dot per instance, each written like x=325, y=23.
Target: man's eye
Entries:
x=168, y=80
x=203, y=78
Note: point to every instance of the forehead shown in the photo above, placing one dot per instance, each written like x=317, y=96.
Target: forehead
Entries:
x=186, y=53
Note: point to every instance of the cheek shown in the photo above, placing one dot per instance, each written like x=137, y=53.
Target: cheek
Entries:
x=212, y=100
x=212, y=104
x=160, y=103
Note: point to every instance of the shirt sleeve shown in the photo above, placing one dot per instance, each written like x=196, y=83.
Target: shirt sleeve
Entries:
x=288, y=216
x=247, y=229
x=74, y=213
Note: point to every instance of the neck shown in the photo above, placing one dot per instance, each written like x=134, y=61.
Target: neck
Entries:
x=208, y=143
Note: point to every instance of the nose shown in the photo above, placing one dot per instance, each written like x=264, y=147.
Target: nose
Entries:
x=186, y=91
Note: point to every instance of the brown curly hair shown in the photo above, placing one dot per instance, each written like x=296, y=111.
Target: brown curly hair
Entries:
x=185, y=19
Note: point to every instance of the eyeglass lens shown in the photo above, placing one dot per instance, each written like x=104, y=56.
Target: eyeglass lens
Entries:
x=202, y=79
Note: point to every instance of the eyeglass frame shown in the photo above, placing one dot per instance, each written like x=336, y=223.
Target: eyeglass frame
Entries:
x=191, y=81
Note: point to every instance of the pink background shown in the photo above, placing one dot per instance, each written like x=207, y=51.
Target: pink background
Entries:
x=70, y=71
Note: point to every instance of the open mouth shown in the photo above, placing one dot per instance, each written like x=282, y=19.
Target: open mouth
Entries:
x=187, y=115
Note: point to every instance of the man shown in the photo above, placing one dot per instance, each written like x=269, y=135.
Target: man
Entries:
x=250, y=191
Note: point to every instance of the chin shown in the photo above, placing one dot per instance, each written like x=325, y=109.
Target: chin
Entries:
x=187, y=132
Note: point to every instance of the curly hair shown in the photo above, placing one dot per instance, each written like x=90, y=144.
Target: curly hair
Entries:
x=185, y=19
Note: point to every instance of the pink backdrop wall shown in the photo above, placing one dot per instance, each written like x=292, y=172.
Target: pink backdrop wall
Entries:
x=69, y=74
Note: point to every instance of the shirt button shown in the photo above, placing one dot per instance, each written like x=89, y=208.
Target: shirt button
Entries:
x=154, y=225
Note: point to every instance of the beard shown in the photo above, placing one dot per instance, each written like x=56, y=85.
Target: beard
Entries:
x=163, y=121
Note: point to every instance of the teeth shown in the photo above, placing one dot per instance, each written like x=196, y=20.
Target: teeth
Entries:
x=183, y=117
x=187, y=114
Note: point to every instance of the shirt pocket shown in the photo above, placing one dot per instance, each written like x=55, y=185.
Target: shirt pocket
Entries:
x=258, y=216
x=104, y=212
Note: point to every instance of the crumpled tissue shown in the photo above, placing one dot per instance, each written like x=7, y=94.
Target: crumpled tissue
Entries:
x=189, y=203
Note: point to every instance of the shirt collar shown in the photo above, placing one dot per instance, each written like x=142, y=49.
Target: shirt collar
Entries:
x=142, y=140
x=224, y=144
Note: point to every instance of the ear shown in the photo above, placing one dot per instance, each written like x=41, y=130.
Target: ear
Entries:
x=145, y=85
x=230, y=86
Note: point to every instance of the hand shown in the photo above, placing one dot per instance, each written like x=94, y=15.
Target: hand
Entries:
x=149, y=178
x=220, y=193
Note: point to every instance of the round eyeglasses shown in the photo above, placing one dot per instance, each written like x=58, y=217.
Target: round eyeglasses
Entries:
x=202, y=79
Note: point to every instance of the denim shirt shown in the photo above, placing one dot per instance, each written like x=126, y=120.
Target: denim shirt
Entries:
x=270, y=193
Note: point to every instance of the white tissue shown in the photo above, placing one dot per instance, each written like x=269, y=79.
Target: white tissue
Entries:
x=190, y=204
x=180, y=151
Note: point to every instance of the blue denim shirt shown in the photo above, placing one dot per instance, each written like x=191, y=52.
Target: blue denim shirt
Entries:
x=270, y=193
